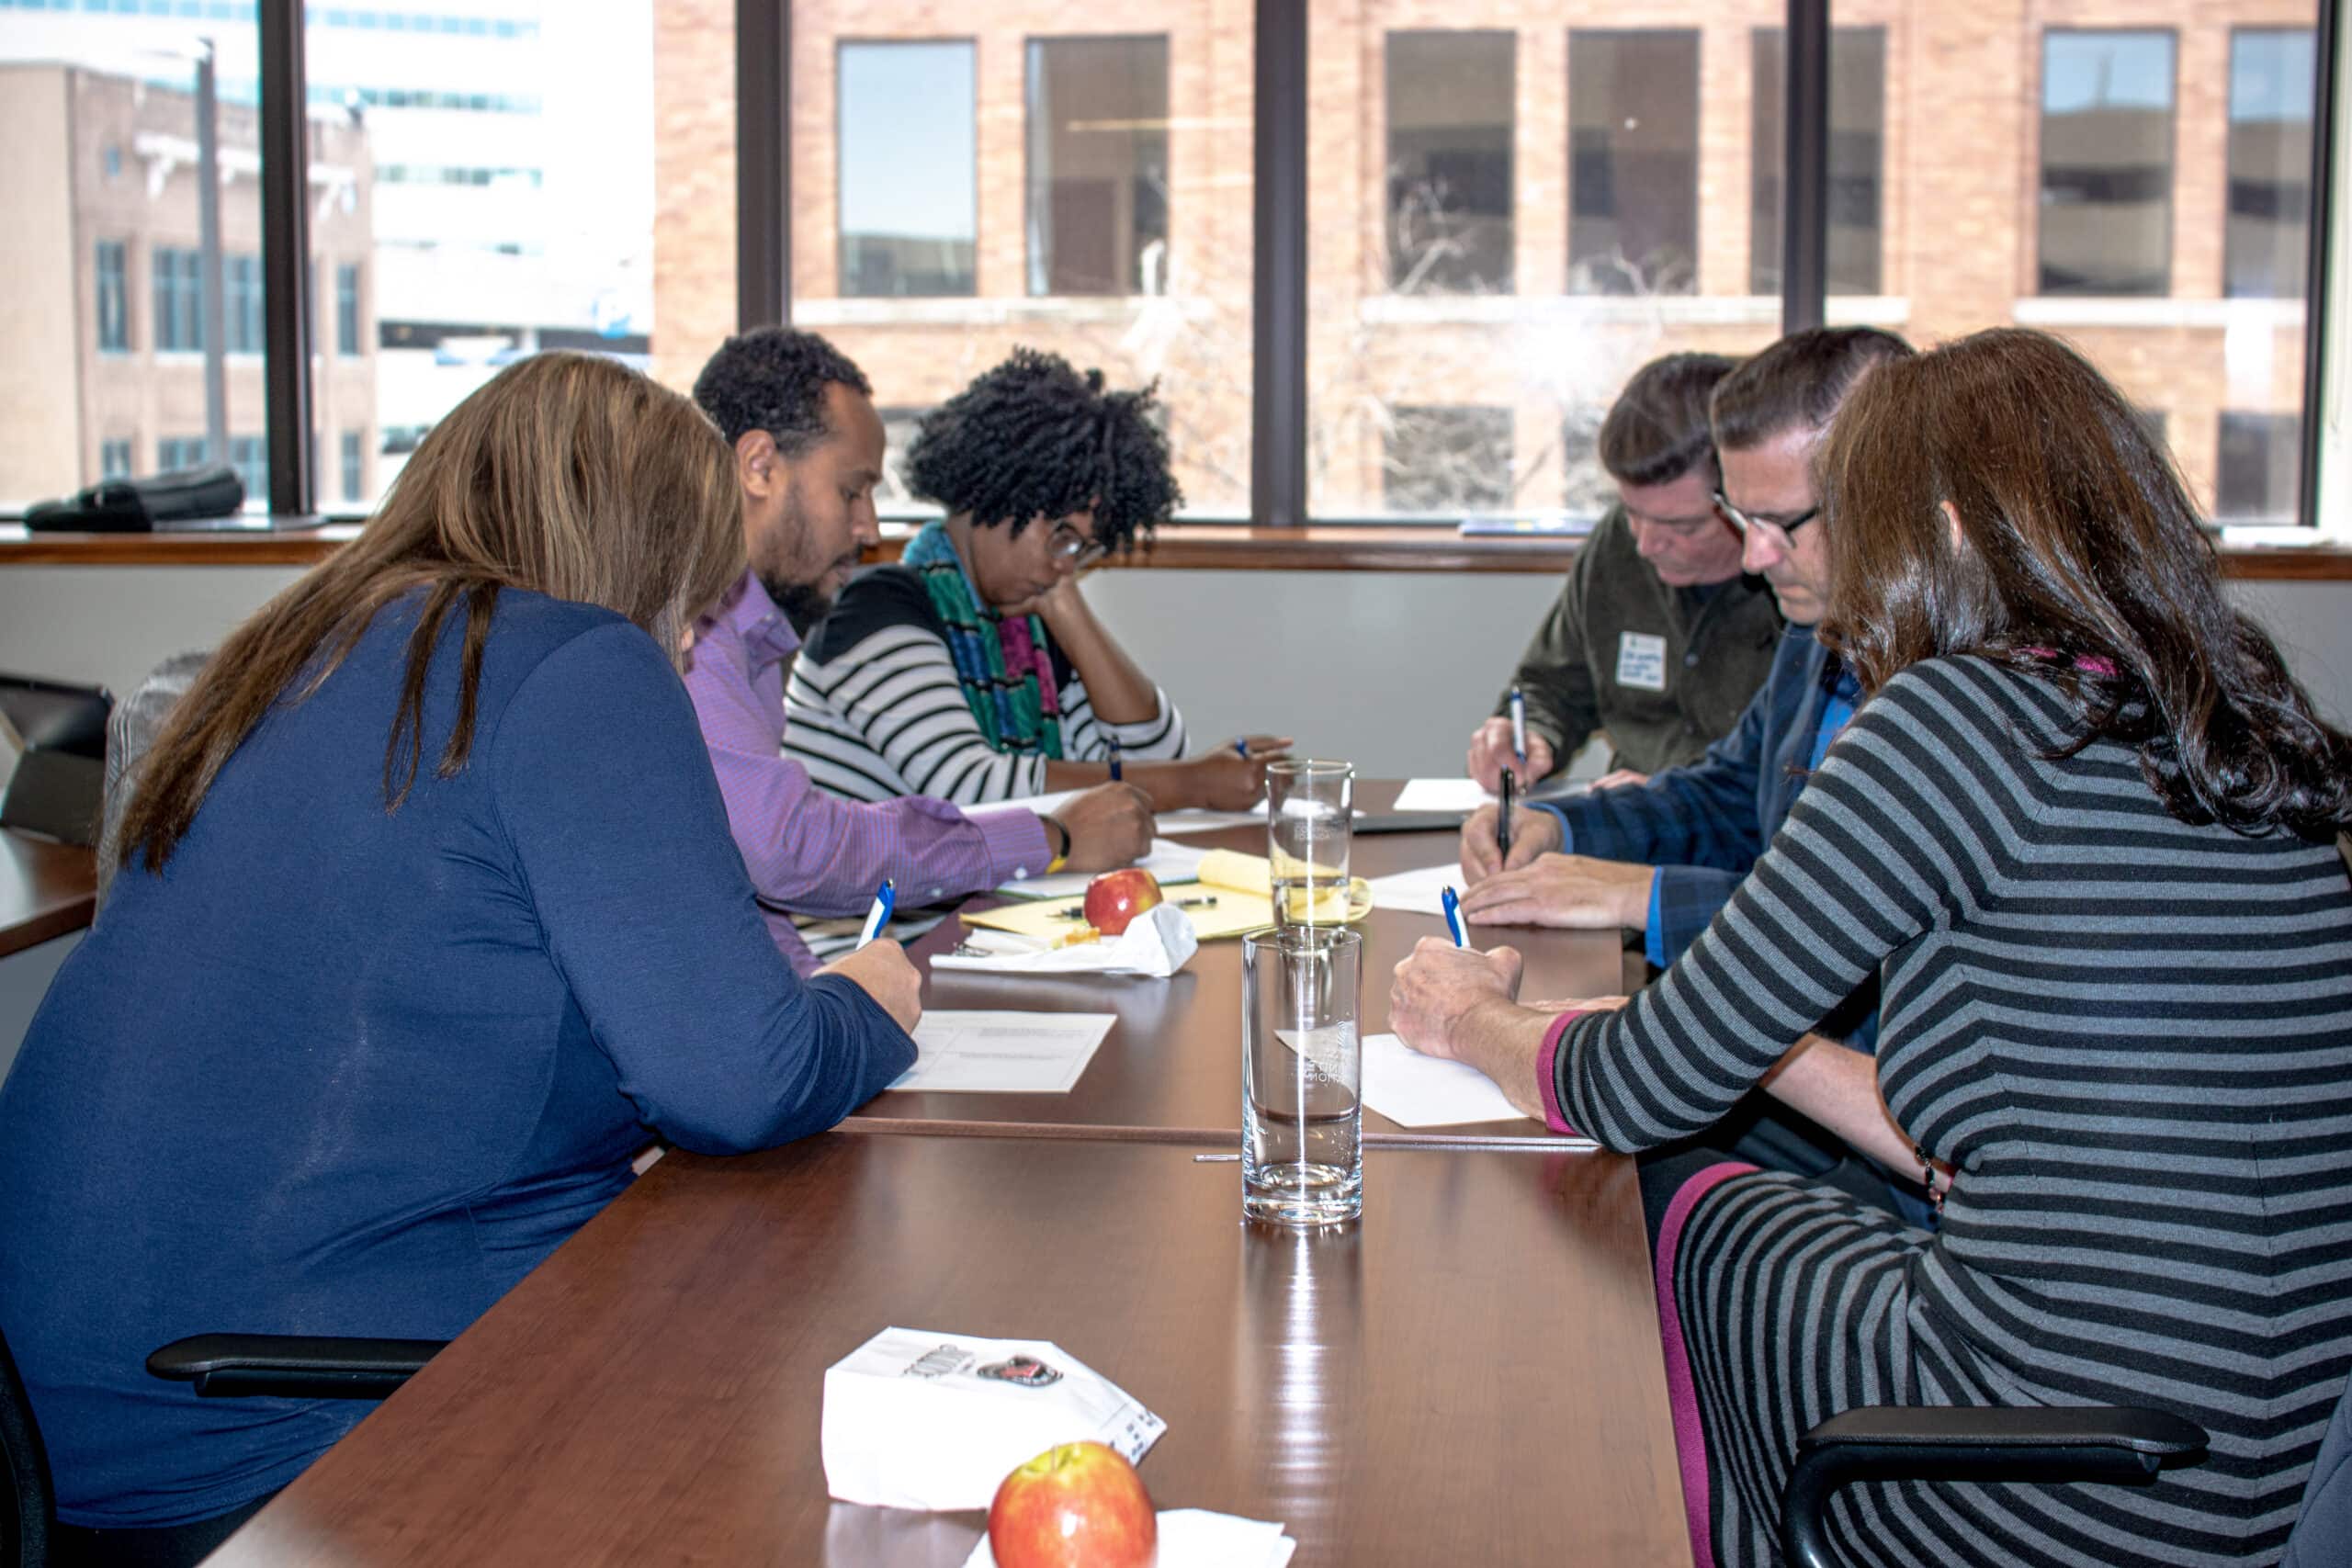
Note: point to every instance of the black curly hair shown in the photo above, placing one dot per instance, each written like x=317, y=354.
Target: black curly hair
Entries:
x=1033, y=438
x=774, y=378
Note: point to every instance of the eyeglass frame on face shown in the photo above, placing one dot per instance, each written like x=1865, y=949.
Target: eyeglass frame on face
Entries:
x=1077, y=550
x=1747, y=523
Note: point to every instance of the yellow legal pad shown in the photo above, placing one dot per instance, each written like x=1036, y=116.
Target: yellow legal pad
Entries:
x=1242, y=884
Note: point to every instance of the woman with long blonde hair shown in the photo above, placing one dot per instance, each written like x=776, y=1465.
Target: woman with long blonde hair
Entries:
x=428, y=918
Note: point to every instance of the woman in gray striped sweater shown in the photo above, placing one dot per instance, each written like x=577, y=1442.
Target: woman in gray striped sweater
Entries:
x=2082, y=830
x=974, y=670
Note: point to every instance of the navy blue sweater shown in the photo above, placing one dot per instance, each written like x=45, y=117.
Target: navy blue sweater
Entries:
x=337, y=1071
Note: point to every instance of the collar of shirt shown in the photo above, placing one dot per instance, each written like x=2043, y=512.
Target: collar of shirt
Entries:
x=766, y=631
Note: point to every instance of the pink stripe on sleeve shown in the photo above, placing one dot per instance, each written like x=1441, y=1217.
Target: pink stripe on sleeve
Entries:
x=1547, y=1076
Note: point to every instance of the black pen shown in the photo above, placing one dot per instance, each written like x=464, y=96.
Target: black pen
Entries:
x=1502, y=822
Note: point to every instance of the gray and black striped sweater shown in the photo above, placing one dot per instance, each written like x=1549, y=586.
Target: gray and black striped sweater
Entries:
x=2134, y=1039
x=876, y=709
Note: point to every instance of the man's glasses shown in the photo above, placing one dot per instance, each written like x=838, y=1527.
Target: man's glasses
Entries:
x=1749, y=521
x=1069, y=547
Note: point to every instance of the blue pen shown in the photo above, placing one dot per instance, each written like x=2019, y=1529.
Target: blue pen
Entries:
x=1454, y=919
x=1241, y=749
x=1519, y=726
x=1116, y=776
x=885, y=901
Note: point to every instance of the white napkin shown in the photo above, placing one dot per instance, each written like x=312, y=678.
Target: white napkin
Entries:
x=916, y=1419
x=1157, y=942
x=1194, y=1537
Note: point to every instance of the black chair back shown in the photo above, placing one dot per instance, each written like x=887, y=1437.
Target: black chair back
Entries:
x=27, y=1506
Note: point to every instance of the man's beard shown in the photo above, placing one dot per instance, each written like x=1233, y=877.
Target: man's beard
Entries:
x=803, y=603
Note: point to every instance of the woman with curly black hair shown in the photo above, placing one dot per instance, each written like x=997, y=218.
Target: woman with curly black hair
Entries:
x=974, y=670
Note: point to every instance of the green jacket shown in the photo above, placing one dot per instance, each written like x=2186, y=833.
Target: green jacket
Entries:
x=1664, y=671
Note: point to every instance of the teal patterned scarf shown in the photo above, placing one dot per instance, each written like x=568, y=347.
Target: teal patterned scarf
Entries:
x=1007, y=674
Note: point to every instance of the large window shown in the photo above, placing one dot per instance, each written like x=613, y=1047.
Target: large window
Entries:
x=1557, y=200
x=1098, y=165
x=909, y=168
x=1042, y=178
x=1857, y=157
x=2270, y=162
x=1633, y=163
x=2106, y=174
x=240, y=304
x=1449, y=102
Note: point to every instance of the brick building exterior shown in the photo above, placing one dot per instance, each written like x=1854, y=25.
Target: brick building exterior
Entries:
x=1481, y=264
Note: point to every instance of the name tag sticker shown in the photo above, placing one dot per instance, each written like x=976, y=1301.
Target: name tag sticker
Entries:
x=1641, y=660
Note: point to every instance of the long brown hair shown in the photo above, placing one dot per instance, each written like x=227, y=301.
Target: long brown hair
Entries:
x=2081, y=556
x=566, y=475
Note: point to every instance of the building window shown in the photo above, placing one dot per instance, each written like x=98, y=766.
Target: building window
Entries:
x=2260, y=456
x=1447, y=461
x=114, y=459
x=2268, y=223
x=2107, y=139
x=1633, y=163
x=179, y=300
x=1450, y=124
x=174, y=453
x=899, y=427
x=1856, y=141
x=1098, y=165
x=908, y=151
x=241, y=303
x=113, y=297
x=249, y=455
x=351, y=475
x=346, y=309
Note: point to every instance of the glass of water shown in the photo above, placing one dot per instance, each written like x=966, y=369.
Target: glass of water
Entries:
x=1310, y=815
x=1302, y=1075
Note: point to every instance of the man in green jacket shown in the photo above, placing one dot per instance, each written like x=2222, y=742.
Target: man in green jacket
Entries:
x=1657, y=638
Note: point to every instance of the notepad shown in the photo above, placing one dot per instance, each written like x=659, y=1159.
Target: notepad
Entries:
x=1414, y=1090
x=1169, y=861
x=1416, y=892
x=1003, y=1053
x=1442, y=794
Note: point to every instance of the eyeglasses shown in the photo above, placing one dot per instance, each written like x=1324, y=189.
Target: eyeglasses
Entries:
x=1748, y=521
x=1069, y=547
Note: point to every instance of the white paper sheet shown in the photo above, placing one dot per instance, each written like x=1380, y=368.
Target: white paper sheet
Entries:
x=917, y=1419
x=1414, y=1090
x=1416, y=892
x=1198, y=821
x=1003, y=1053
x=1441, y=794
x=1194, y=1537
x=1169, y=861
x=1158, y=944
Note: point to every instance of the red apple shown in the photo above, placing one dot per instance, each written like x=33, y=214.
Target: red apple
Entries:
x=1116, y=898
x=1078, y=1506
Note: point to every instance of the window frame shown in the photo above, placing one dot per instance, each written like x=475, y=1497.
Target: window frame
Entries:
x=1279, y=470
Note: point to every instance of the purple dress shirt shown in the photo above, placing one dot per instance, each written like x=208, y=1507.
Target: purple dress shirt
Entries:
x=807, y=851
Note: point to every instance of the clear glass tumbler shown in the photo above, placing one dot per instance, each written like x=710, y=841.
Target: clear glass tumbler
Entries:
x=1302, y=1075
x=1310, y=818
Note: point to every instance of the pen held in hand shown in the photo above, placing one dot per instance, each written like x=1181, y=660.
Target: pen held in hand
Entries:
x=885, y=900
x=1117, y=776
x=1453, y=917
x=1502, y=817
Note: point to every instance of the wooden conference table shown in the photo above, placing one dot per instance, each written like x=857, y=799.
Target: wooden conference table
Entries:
x=1469, y=1373
x=46, y=890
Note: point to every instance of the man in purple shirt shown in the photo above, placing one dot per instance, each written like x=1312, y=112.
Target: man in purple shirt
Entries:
x=808, y=455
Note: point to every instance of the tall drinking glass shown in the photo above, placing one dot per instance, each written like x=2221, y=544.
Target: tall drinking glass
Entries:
x=1302, y=1075
x=1310, y=815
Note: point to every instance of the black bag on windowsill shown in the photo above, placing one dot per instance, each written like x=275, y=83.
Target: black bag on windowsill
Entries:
x=134, y=507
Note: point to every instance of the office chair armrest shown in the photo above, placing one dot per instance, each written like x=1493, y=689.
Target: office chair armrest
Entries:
x=287, y=1366
x=2041, y=1443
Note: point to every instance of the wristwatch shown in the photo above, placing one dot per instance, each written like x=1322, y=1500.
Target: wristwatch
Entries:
x=1061, y=838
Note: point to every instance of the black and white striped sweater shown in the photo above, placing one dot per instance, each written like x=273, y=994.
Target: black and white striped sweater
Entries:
x=876, y=709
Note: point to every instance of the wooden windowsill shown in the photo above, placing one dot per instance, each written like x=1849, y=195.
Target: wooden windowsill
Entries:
x=1183, y=548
